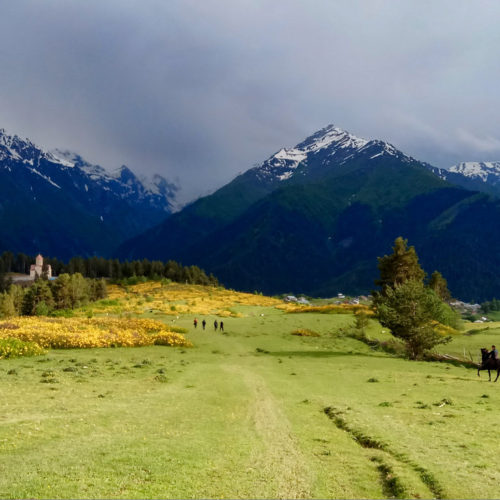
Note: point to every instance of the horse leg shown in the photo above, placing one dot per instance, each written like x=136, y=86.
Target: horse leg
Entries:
x=498, y=373
x=489, y=375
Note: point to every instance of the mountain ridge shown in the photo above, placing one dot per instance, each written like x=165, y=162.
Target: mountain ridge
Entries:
x=110, y=205
x=314, y=218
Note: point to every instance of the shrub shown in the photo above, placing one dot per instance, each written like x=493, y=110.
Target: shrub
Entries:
x=15, y=348
x=305, y=332
x=42, y=309
x=171, y=339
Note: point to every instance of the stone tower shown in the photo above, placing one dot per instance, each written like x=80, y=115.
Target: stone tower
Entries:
x=36, y=270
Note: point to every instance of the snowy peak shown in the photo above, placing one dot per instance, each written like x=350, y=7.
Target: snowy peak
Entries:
x=125, y=175
x=15, y=148
x=331, y=136
x=329, y=147
x=60, y=167
x=160, y=186
x=484, y=171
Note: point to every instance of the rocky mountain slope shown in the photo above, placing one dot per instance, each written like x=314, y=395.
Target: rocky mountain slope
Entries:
x=59, y=204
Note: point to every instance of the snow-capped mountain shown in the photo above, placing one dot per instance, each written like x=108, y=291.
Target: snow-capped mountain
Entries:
x=119, y=203
x=486, y=171
x=330, y=146
x=123, y=182
x=472, y=175
x=312, y=218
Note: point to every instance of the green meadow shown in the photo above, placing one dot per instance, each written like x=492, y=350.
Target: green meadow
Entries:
x=254, y=412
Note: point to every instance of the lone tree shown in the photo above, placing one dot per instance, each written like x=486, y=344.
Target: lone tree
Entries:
x=410, y=311
x=405, y=305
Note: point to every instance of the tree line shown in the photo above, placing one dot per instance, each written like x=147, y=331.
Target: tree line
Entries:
x=44, y=297
x=99, y=267
x=490, y=305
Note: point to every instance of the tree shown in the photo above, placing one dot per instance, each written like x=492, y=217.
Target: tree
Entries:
x=98, y=290
x=440, y=286
x=36, y=294
x=409, y=309
x=8, y=261
x=79, y=290
x=3, y=279
x=7, y=307
x=17, y=294
x=402, y=265
x=61, y=290
x=406, y=306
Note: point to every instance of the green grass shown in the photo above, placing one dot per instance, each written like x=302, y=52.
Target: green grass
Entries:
x=255, y=412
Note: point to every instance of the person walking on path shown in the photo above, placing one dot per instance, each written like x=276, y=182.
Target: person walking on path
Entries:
x=221, y=326
x=195, y=322
x=203, y=324
x=215, y=325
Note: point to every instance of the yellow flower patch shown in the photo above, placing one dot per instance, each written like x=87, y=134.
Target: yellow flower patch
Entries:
x=327, y=309
x=70, y=333
x=174, y=299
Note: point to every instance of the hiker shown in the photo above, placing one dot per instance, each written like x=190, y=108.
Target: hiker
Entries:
x=215, y=325
x=494, y=352
x=203, y=324
x=221, y=326
x=195, y=322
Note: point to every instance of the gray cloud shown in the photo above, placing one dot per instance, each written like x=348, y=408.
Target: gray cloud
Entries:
x=201, y=90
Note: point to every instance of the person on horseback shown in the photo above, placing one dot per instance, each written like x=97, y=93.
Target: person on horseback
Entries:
x=489, y=361
x=494, y=352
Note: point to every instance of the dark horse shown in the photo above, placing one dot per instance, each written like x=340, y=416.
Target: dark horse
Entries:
x=488, y=363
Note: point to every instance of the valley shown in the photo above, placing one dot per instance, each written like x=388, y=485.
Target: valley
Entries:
x=253, y=411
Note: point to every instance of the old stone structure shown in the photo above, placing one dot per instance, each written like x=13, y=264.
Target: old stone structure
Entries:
x=36, y=270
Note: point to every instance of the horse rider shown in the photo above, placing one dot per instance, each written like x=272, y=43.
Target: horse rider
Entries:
x=494, y=352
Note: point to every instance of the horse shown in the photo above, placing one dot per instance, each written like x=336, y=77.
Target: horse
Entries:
x=488, y=363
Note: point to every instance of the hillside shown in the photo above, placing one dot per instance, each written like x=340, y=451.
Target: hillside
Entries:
x=313, y=219
x=59, y=204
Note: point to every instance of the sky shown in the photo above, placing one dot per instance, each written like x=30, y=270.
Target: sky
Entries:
x=201, y=90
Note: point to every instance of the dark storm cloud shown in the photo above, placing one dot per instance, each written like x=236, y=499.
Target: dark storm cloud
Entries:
x=200, y=90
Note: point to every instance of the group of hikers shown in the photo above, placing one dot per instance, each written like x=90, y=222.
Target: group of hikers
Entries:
x=218, y=325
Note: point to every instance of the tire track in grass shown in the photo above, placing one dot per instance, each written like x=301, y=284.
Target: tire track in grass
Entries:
x=392, y=484
x=281, y=461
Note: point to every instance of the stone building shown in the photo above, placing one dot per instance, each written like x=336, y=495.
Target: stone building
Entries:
x=36, y=270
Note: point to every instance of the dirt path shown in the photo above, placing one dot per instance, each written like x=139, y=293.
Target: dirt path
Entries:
x=279, y=459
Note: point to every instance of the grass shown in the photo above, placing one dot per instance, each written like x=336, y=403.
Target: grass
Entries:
x=243, y=414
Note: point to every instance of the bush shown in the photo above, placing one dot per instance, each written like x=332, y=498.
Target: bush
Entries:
x=171, y=339
x=15, y=348
x=305, y=332
x=42, y=309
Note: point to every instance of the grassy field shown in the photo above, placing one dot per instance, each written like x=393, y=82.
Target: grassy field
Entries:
x=254, y=412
